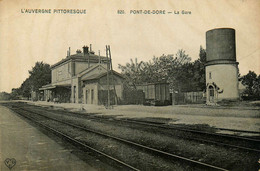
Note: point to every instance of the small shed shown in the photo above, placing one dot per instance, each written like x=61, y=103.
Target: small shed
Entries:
x=156, y=92
x=95, y=88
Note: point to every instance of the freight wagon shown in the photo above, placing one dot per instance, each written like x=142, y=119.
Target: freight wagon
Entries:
x=156, y=94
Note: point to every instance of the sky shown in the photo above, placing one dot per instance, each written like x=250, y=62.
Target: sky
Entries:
x=26, y=38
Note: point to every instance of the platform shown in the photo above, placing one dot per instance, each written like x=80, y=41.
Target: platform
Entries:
x=32, y=149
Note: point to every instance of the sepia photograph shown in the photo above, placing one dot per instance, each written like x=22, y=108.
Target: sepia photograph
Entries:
x=96, y=85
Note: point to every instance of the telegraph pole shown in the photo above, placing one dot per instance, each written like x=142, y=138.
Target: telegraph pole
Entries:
x=88, y=54
x=99, y=60
x=112, y=74
x=108, y=85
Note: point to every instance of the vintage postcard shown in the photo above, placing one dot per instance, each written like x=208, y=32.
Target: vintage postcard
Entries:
x=129, y=85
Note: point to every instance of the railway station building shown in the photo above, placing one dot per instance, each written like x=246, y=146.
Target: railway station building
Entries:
x=82, y=78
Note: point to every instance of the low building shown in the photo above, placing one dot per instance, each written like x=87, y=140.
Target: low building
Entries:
x=95, y=87
x=156, y=93
x=79, y=78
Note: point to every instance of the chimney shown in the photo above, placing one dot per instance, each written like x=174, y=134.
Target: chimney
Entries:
x=68, y=53
x=85, y=50
x=90, y=50
x=78, y=51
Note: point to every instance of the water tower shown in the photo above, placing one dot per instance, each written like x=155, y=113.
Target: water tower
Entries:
x=221, y=65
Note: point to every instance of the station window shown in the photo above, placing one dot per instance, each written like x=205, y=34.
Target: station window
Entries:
x=92, y=96
x=73, y=69
x=210, y=77
x=57, y=75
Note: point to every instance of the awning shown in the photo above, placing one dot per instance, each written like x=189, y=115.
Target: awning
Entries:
x=47, y=88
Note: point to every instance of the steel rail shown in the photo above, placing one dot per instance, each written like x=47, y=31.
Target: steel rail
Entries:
x=78, y=142
x=197, y=139
x=190, y=130
x=201, y=164
x=224, y=129
x=183, y=129
x=207, y=133
x=241, y=131
x=159, y=123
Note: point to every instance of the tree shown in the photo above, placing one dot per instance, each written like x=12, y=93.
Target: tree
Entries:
x=252, y=83
x=157, y=69
x=39, y=75
x=132, y=72
x=166, y=68
x=199, y=78
x=5, y=96
x=177, y=70
x=16, y=92
x=26, y=88
x=202, y=55
x=180, y=71
x=192, y=76
x=182, y=58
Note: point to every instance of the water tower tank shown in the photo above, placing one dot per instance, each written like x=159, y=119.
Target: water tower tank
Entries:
x=221, y=44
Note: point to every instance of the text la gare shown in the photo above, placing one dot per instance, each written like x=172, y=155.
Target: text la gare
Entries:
x=182, y=12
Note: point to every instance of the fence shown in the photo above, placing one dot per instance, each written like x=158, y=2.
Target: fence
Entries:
x=188, y=97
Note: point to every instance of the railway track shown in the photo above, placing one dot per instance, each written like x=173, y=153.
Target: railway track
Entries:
x=193, y=163
x=254, y=142
x=249, y=144
x=190, y=128
x=79, y=143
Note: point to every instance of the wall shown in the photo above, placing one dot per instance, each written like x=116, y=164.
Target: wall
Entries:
x=81, y=66
x=155, y=91
x=74, y=90
x=48, y=95
x=99, y=88
x=61, y=73
x=149, y=90
x=162, y=92
x=119, y=89
x=87, y=95
x=92, y=72
x=118, y=82
x=225, y=76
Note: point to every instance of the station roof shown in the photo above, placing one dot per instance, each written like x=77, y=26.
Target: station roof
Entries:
x=100, y=75
x=81, y=57
x=52, y=86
